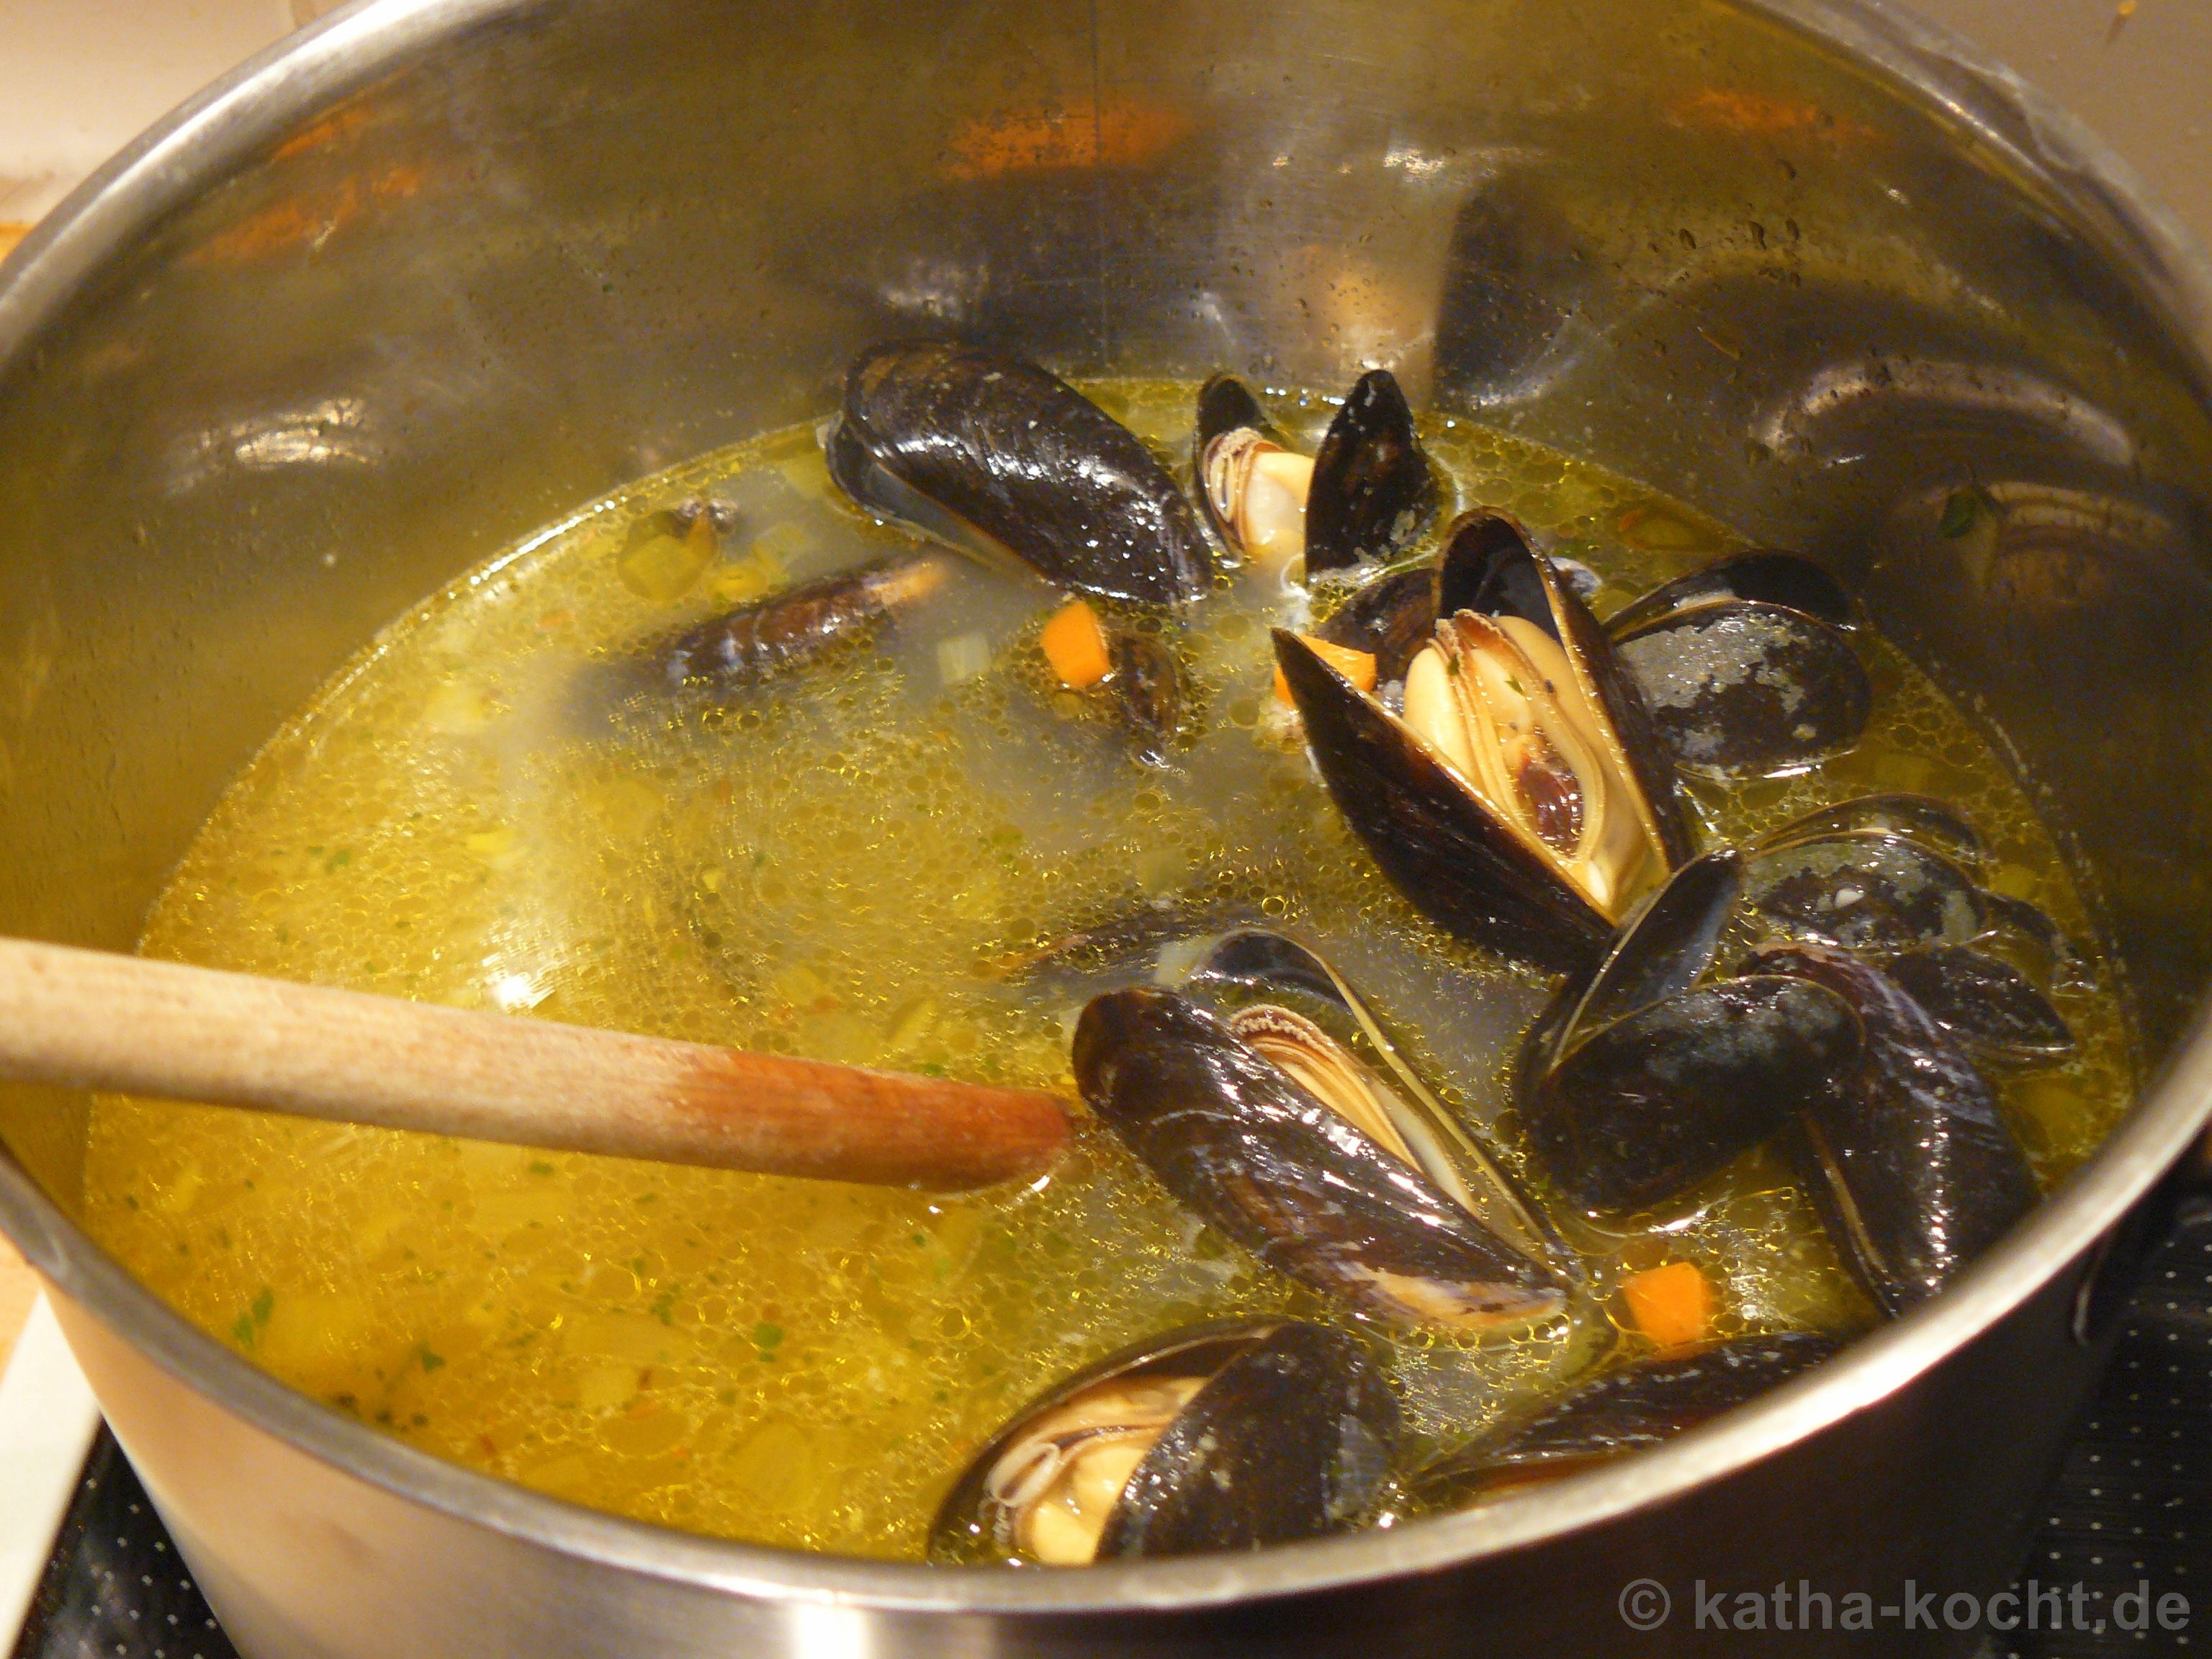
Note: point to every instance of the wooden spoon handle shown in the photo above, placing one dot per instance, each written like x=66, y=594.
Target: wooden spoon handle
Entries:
x=94, y=1020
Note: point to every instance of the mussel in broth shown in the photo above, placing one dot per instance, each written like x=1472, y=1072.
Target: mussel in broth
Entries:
x=756, y=643
x=1647, y=1081
x=1626, y=1409
x=1217, y=1438
x=994, y=455
x=1373, y=489
x=1287, y=1001
x=1911, y=1161
x=1516, y=801
x=1984, y=1002
x=1365, y=497
x=1247, y=1147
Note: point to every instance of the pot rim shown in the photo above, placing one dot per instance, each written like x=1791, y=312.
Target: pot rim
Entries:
x=239, y=114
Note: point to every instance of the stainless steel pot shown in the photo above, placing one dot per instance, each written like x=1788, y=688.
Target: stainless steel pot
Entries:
x=440, y=269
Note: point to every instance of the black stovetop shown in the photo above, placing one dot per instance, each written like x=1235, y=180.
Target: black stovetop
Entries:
x=2132, y=1505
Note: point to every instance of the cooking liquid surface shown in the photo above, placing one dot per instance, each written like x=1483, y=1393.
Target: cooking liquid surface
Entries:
x=843, y=865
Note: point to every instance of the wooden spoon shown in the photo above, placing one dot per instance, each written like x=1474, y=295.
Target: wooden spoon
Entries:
x=91, y=1019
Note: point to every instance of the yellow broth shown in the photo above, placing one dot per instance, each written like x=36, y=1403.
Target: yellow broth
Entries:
x=842, y=865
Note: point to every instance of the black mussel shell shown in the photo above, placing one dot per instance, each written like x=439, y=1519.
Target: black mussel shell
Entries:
x=1390, y=618
x=1291, y=1435
x=1144, y=691
x=1934, y=824
x=990, y=453
x=1439, y=845
x=1124, y=937
x=1257, y=966
x=1629, y=1409
x=758, y=642
x=1655, y=1103
x=1489, y=566
x=1763, y=574
x=2027, y=924
x=1234, y=1137
x=1988, y=1005
x=1225, y=403
x=1911, y=1162
x=1875, y=894
x=1373, y=490
x=1663, y=948
x=1292, y=1439
x=1738, y=689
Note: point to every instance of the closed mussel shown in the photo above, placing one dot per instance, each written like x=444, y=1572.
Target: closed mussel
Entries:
x=756, y=643
x=1251, y=1149
x=1910, y=1161
x=1224, y=1436
x=998, y=457
x=1519, y=800
x=1625, y=1410
x=1644, y=1078
x=1893, y=878
x=1747, y=666
x=1985, y=1003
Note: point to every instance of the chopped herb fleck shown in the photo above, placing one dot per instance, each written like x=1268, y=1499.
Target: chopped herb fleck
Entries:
x=540, y=1167
x=430, y=1360
x=767, y=1336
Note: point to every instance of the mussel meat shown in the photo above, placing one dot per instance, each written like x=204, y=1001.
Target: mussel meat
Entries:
x=1618, y=1412
x=1365, y=497
x=1910, y=1161
x=998, y=457
x=1251, y=484
x=1518, y=801
x=1286, y=1173
x=1224, y=1436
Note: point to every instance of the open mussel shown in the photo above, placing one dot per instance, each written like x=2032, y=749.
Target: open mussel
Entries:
x=1628, y=1409
x=1910, y=1161
x=1247, y=1146
x=1224, y=1436
x=1287, y=1002
x=996, y=456
x=1252, y=485
x=1517, y=801
x=1644, y=1077
x=1365, y=497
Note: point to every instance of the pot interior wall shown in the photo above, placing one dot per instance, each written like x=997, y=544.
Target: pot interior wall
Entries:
x=577, y=241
